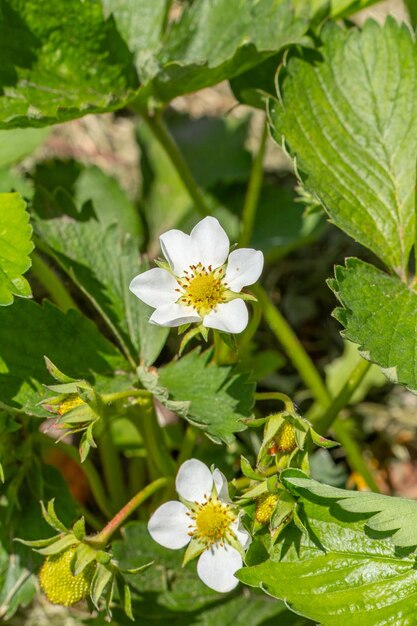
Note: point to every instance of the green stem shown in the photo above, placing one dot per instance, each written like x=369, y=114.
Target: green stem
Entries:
x=162, y=134
x=112, y=468
x=103, y=537
x=293, y=347
x=90, y=472
x=253, y=191
x=276, y=395
x=358, y=373
x=354, y=454
x=160, y=461
x=54, y=286
x=188, y=443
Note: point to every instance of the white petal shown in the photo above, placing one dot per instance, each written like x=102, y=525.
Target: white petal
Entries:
x=155, y=287
x=216, y=567
x=194, y=481
x=169, y=525
x=222, y=487
x=179, y=250
x=244, y=267
x=242, y=535
x=174, y=314
x=230, y=317
x=212, y=241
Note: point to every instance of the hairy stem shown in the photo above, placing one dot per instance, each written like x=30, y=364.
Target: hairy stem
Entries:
x=162, y=134
x=108, y=531
x=353, y=381
x=293, y=347
x=253, y=191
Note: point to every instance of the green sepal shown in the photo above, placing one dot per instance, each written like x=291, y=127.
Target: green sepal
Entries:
x=136, y=570
x=321, y=441
x=258, y=490
x=183, y=328
x=125, y=597
x=103, y=557
x=248, y=471
x=83, y=556
x=59, y=546
x=38, y=543
x=229, y=340
x=51, y=517
x=101, y=579
x=283, y=511
x=255, y=422
x=86, y=443
x=194, y=549
x=56, y=373
x=79, y=529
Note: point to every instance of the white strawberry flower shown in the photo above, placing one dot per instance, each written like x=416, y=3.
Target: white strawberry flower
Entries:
x=201, y=282
x=205, y=519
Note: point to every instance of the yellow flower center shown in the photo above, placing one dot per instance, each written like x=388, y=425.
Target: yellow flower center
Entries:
x=212, y=521
x=264, y=507
x=202, y=288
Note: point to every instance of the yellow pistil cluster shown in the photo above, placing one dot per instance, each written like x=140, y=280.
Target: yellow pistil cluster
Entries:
x=211, y=521
x=284, y=441
x=69, y=403
x=58, y=582
x=202, y=288
x=264, y=507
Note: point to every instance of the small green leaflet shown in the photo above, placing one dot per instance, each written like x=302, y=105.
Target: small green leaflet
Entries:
x=210, y=397
x=380, y=314
x=15, y=247
x=349, y=116
x=395, y=516
x=336, y=574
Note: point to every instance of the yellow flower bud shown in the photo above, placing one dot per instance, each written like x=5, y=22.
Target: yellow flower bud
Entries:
x=70, y=402
x=58, y=582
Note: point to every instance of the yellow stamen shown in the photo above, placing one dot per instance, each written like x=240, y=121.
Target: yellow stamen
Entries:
x=202, y=288
x=284, y=440
x=212, y=521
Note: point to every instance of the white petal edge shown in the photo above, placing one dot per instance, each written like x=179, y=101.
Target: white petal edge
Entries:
x=244, y=267
x=174, y=314
x=179, y=250
x=230, y=317
x=221, y=485
x=169, y=525
x=212, y=242
x=194, y=481
x=242, y=535
x=155, y=287
x=216, y=567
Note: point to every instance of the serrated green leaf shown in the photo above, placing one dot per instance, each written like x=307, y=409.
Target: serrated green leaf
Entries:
x=15, y=247
x=209, y=396
x=379, y=314
x=350, y=118
x=60, y=61
x=216, y=40
x=28, y=331
x=102, y=261
x=336, y=574
x=396, y=516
